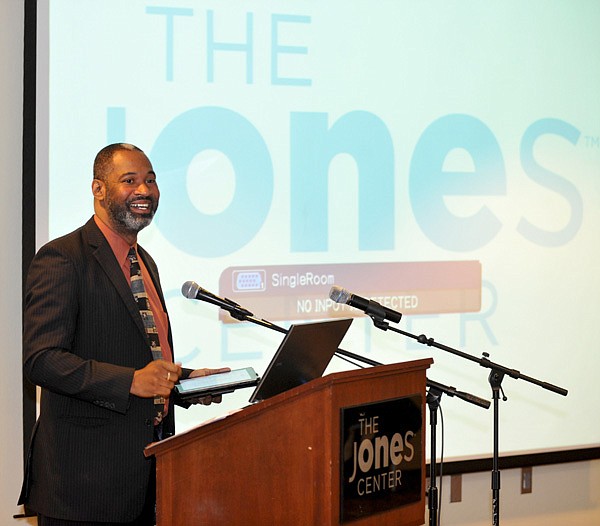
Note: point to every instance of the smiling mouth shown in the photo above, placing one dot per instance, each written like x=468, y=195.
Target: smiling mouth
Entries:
x=145, y=206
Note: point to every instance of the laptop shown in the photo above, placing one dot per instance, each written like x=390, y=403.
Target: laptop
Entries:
x=302, y=356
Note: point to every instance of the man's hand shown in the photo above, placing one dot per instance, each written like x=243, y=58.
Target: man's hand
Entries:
x=207, y=400
x=156, y=379
x=207, y=372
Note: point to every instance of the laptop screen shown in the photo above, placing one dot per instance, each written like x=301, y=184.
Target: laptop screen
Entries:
x=302, y=356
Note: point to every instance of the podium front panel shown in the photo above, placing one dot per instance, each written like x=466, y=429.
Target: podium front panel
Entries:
x=278, y=462
x=381, y=456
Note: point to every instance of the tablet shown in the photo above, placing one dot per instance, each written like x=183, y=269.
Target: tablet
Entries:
x=216, y=384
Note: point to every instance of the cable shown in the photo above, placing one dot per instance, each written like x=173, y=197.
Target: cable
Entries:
x=346, y=359
x=439, y=517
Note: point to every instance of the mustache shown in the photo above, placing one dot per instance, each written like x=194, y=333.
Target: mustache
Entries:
x=145, y=198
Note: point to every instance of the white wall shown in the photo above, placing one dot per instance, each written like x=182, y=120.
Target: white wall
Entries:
x=562, y=495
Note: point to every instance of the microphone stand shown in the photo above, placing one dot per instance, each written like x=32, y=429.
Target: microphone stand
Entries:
x=434, y=395
x=495, y=378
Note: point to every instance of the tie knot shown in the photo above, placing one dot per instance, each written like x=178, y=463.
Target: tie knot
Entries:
x=134, y=264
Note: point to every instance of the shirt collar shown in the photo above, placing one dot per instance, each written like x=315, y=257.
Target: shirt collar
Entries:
x=119, y=246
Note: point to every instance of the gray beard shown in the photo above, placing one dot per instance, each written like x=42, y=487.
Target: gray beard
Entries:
x=127, y=221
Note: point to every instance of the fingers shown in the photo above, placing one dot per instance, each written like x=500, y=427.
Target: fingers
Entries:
x=158, y=378
x=217, y=371
x=168, y=374
x=173, y=370
x=206, y=400
x=206, y=372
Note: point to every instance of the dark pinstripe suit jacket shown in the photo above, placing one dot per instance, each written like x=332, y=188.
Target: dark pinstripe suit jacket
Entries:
x=83, y=338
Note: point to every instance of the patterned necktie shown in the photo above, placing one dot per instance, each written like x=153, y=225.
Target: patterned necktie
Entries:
x=143, y=303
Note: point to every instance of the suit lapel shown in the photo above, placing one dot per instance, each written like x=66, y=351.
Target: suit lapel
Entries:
x=106, y=259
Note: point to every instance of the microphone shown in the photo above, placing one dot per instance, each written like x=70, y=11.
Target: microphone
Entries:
x=193, y=291
x=370, y=307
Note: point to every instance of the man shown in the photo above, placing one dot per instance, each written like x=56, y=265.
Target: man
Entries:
x=102, y=357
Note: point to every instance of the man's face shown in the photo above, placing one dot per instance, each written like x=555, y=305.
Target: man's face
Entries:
x=131, y=192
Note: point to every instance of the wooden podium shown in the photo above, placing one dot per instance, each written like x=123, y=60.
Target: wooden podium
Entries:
x=277, y=463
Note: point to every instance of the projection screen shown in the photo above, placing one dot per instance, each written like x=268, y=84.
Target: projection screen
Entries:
x=441, y=158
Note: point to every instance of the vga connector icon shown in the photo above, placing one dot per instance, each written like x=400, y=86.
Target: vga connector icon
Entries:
x=248, y=280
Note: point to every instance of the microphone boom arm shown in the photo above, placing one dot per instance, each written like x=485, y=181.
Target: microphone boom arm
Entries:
x=483, y=362
x=241, y=314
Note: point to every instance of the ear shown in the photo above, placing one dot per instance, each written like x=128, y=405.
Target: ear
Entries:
x=98, y=189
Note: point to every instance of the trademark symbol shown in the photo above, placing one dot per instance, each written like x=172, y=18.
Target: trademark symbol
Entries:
x=591, y=141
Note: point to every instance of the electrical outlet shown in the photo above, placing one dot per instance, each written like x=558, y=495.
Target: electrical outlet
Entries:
x=455, y=488
x=526, y=479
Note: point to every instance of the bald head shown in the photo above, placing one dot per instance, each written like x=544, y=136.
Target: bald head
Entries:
x=104, y=159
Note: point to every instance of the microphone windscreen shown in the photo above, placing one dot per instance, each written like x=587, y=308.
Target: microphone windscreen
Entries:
x=189, y=289
x=339, y=295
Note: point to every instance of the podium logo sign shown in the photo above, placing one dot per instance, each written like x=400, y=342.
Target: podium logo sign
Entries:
x=381, y=456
